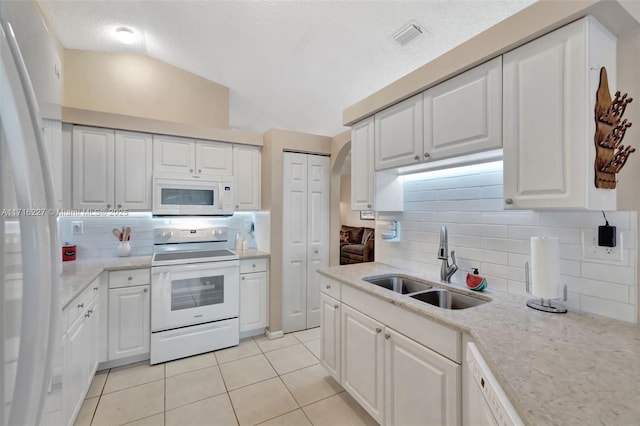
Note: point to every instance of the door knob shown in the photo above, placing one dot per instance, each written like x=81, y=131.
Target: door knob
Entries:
x=508, y=201
x=145, y=290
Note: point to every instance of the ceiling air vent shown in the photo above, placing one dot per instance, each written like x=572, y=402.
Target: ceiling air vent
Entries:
x=407, y=33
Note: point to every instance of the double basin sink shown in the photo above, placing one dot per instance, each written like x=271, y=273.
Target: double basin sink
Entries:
x=426, y=293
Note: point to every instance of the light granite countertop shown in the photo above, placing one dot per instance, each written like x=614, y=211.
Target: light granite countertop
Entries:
x=251, y=254
x=557, y=369
x=78, y=274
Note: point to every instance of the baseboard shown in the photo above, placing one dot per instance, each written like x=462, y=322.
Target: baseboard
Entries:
x=252, y=333
x=123, y=361
x=274, y=334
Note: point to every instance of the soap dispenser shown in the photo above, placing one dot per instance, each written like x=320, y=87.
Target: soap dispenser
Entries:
x=238, y=241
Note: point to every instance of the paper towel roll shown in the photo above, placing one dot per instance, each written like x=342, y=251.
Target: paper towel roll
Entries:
x=545, y=267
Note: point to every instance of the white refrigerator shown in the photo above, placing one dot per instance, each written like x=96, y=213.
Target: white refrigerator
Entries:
x=29, y=260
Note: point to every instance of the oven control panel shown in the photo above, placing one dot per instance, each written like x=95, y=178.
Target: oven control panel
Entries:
x=189, y=235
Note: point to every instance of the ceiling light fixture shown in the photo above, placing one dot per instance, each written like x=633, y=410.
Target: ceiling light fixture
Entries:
x=125, y=35
x=407, y=33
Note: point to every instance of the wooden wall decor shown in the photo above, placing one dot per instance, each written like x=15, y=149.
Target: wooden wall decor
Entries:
x=611, y=155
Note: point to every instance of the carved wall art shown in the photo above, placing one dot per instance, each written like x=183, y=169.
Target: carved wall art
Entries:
x=611, y=154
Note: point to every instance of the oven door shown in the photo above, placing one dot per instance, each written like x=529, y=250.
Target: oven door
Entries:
x=196, y=293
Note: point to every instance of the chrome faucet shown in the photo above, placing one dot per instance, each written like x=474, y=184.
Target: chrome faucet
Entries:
x=446, y=270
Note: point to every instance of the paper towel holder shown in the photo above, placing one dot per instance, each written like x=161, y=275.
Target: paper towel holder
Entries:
x=545, y=305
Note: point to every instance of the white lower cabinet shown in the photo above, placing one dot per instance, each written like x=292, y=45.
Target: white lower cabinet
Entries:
x=397, y=380
x=129, y=327
x=362, y=345
x=413, y=374
x=254, y=296
x=129, y=330
x=80, y=348
x=330, y=335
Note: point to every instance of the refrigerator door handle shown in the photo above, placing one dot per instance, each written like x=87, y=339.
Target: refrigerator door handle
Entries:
x=34, y=190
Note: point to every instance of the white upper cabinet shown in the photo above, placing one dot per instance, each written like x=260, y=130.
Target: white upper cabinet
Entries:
x=133, y=170
x=549, y=98
x=173, y=154
x=214, y=158
x=111, y=169
x=180, y=155
x=399, y=134
x=93, y=171
x=362, y=171
x=247, y=164
x=463, y=115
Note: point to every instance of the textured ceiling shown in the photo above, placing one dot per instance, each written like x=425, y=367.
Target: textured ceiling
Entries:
x=292, y=65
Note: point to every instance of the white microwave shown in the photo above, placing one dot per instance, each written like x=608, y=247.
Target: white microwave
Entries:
x=187, y=195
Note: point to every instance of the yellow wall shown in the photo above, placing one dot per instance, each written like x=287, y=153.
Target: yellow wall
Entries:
x=140, y=86
x=276, y=142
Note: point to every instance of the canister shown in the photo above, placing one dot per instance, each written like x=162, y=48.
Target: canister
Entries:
x=68, y=252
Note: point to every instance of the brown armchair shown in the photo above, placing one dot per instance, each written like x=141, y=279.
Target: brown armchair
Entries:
x=356, y=244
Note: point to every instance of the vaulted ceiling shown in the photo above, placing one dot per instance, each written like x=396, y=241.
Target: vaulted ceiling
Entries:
x=292, y=65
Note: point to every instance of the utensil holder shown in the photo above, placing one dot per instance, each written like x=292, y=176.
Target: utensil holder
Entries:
x=542, y=304
x=123, y=249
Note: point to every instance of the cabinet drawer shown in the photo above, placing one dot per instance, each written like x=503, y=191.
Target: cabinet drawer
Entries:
x=330, y=287
x=128, y=278
x=254, y=265
x=80, y=303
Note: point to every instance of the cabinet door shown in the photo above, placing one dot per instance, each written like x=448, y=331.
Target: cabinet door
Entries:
x=330, y=335
x=75, y=369
x=133, y=171
x=294, y=242
x=247, y=165
x=362, y=167
x=93, y=184
x=92, y=322
x=463, y=115
x=173, y=155
x=362, y=345
x=544, y=121
x=399, y=135
x=421, y=386
x=129, y=327
x=318, y=232
x=214, y=158
x=253, y=301
x=53, y=141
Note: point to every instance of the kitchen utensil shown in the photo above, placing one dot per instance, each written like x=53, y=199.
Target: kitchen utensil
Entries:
x=116, y=232
x=127, y=234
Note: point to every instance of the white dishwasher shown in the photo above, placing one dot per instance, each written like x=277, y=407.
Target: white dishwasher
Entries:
x=488, y=404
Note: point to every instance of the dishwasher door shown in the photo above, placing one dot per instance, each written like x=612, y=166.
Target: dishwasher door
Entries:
x=488, y=404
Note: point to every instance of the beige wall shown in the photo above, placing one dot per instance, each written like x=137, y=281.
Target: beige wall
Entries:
x=276, y=142
x=140, y=86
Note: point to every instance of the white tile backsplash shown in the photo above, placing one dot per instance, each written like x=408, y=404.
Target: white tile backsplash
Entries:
x=498, y=242
x=98, y=241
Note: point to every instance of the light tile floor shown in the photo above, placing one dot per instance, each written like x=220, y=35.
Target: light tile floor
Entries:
x=260, y=381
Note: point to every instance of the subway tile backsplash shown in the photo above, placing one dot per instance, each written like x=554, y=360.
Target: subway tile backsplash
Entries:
x=98, y=241
x=498, y=242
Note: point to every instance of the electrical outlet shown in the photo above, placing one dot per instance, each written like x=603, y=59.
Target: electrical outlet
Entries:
x=591, y=250
x=77, y=228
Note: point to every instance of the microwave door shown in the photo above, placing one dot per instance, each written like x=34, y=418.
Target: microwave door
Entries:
x=186, y=198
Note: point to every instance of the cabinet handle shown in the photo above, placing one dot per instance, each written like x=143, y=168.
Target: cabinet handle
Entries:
x=119, y=206
x=237, y=206
x=378, y=330
x=508, y=201
x=95, y=289
x=328, y=286
x=80, y=305
x=416, y=157
x=315, y=251
x=254, y=265
x=87, y=315
x=427, y=155
x=90, y=311
x=368, y=206
x=145, y=290
x=242, y=278
x=108, y=206
x=336, y=306
x=387, y=336
x=190, y=170
x=130, y=278
x=199, y=171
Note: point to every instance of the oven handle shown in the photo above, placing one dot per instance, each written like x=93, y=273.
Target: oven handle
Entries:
x=195, y=266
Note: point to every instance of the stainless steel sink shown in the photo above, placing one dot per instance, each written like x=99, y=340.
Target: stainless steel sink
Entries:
x=398, y=283
x=446, y=299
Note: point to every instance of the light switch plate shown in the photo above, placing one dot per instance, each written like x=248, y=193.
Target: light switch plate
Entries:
x=77, y=228
x=591, y=250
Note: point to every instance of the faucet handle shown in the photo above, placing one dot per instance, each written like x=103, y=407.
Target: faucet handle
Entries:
x=453, y=257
